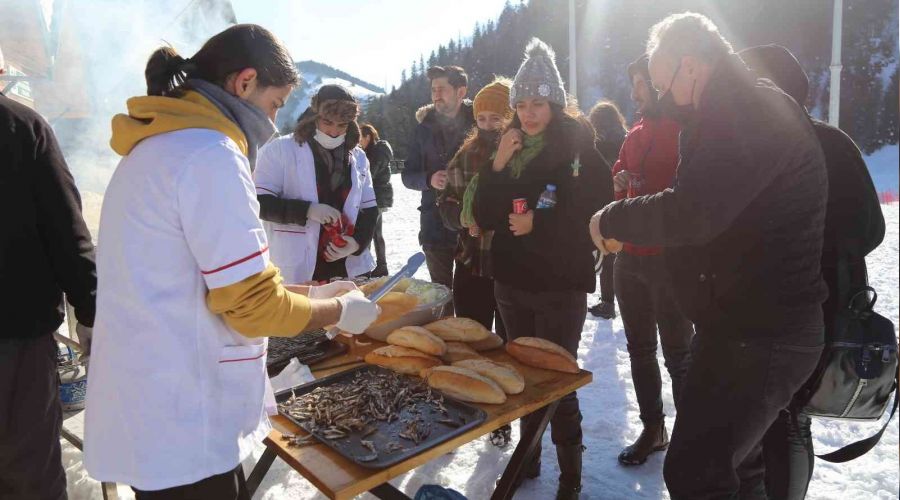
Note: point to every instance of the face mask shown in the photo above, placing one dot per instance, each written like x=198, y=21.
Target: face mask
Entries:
x=681, y=113
x=489, y=136
x=328, y=142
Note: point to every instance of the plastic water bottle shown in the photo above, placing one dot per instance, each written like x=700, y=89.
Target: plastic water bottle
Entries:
x=548, y=198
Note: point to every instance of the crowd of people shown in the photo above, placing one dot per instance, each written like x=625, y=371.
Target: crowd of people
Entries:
x=706, y=219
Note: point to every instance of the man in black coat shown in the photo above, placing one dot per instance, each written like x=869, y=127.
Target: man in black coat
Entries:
x=436, y=139
x=45, y=251
x=380, y=154
x=743, y=228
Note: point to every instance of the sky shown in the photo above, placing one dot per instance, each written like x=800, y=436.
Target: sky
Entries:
x=370, y=39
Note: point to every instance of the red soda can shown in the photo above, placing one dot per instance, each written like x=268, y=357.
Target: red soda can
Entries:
x=520, y=206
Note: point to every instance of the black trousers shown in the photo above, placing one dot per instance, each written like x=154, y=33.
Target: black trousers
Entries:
x=473, y=297
x=557, y=316
x=378, y=241
x=229, y=485
x=607, y=278
x=30, y=420
x=440, y=267
x=788, y=456
x=647, y=303
x=734, y=391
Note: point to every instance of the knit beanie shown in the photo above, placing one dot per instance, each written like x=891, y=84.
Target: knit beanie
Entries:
x=538, y=76
x=494, y=97
x=781, y=66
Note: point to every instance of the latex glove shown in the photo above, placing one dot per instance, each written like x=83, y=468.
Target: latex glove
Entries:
x=439, y=179
x=85, y=336
x=334, y=252
x=357, y=312
x=322, y=213
x=332, y=289
x=621, y=180
x=521, y=224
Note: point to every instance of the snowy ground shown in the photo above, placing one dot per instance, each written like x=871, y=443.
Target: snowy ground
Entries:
x=610, y=415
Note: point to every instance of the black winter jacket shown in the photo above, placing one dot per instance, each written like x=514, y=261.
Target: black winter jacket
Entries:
x=380, y=155
x=45, y=246
x=431, y=148
x=744, y=222
x=557, y=254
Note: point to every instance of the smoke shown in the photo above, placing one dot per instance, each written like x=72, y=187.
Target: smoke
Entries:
x=101, y=56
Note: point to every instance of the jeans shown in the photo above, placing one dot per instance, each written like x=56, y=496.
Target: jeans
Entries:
x=647, y=303
x=473, y=297
x=734, y=391
x=607, y=278
x=378, y=241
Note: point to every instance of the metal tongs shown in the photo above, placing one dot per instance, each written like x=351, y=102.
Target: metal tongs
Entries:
x=412, y=265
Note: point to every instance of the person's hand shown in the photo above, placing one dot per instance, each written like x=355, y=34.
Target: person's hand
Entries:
x=357, y=312
x=510, y=143
x=439, y=179
x=521, y=224
x=322, y=213
x=331, y=290
x=621, y=180
x=85, y=336
x=606, y=246
x=334, y=252
x=474, y=231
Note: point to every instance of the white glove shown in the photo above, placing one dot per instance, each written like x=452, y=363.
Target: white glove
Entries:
x=85, y=336
x=331, y=289
x=322, y=213
x=334, y=252
x=357, y=312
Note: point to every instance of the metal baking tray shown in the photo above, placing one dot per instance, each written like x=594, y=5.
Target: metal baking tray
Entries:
x=350, y=447
x=308, y=347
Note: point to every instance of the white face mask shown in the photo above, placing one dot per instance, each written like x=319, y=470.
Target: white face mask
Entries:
x=327, y=141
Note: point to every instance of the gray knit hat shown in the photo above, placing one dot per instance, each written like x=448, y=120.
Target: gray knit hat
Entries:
x=538, y=76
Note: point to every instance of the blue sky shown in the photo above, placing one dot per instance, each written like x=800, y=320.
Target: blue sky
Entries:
x=336, y=32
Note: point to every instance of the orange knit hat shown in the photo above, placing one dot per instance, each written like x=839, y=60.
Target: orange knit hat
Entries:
x=494, y=97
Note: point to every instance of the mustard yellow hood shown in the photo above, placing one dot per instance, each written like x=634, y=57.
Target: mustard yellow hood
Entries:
x=153, y=115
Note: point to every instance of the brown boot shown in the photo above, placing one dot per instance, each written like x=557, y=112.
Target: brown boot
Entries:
x=652, y=438
x=569, y=457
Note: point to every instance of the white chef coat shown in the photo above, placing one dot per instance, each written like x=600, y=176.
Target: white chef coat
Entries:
x=174, y=394
x=286, y=169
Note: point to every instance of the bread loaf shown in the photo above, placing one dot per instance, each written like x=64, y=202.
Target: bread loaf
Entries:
x=492, y=342
x=418, y=338
x=464, y=385
x=458, y=351
x=393, y=305
x=459, y=329
x=541, y=353
x=506, y=376
x=401, y=359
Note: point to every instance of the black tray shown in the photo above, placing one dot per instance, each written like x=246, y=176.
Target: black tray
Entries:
x=308, y=347
x=350, y=447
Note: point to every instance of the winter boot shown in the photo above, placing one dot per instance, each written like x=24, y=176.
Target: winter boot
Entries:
x=532, y=470
x=379, y=271
x=653, y=438
x=605, y=310
x=501, y=437
x=569, y=457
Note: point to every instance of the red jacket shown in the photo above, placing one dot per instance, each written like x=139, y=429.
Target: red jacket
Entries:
x=650, y=155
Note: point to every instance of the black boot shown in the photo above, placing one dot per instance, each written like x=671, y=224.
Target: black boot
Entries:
x=569, y=457
x=531, y=471
x=605, y=310
x=500, y=437
x=652, y=438
x=380, y=270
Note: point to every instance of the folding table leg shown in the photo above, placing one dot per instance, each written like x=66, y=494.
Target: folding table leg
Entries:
x=260, y=470
x=524, y=451
x=386, y=491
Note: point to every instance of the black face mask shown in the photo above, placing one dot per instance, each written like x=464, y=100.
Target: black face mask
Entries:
x=681, y=113
x=488, y=136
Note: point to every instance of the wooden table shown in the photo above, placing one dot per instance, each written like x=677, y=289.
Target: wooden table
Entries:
x=338, y=478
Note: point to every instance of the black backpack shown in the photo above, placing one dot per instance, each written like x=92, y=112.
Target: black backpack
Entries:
x=857, y=373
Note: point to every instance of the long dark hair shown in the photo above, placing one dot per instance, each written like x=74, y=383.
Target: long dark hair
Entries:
x=369, y=130
x=239, y=47
x=607, y=120
x=568, y=128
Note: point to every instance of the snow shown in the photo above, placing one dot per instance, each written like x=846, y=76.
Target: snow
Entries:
x=610, y=415
x=883, y=166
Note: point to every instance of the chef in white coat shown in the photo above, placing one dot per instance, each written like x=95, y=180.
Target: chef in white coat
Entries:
x=177, y=394
x=315, y=193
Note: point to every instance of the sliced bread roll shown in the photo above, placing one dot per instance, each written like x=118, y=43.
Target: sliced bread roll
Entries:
x=541, y=353
x=464, y=385
x=401, y=359
x=492, y=342
x=459, y=329
x=458, y=351
x=506, y=376
x=394, y=305
x=418, y=338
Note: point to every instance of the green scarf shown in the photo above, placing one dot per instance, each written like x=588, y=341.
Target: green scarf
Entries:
x=466, y=216
x=531, y=146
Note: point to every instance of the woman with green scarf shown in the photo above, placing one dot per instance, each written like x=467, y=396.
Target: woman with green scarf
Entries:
x=542, y=259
